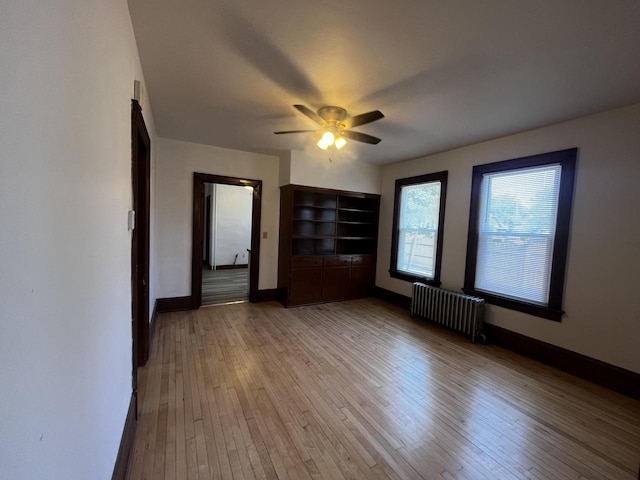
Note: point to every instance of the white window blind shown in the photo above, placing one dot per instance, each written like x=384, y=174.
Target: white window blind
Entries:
x=516, y=232
x=418, y=228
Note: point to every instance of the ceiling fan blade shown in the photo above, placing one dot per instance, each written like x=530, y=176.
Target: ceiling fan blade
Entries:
x=309, y=113
x=363, y=119
x=361, y=137
x=293, y=131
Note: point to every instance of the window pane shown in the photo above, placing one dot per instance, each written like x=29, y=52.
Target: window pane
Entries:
x=515, y=266
x=418, y=228
x=516, y=231
x=417, y=252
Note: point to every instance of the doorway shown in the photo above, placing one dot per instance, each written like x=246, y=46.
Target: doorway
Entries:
x=227, y=232
x=222, y=231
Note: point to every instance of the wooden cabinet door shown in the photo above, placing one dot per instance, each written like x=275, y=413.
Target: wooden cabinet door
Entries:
x=336, y=283
x=305, y=286
x=363, y=279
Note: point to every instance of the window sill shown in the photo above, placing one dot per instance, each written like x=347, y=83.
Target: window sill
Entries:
x=414, y=278
x=530, y=308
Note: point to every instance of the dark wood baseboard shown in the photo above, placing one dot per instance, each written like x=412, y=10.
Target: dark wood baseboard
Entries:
x=126, y=443
x=392, y=297
x=173, y=304
x=268, y=295
x=231, y=267
x=596, y=371
x=179, y=304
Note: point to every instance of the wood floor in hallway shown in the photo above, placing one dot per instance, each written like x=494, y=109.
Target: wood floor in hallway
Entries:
x=224, y=286
x=358, y=390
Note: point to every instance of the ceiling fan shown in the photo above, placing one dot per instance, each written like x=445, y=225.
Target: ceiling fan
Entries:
x=336, y=126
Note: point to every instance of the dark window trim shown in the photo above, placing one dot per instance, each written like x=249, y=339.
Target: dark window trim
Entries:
x=567, y=160
x=401, y=182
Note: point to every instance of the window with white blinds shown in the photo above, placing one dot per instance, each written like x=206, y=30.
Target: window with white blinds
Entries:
x=417, y=234
x=519, y=232
x=516, y=232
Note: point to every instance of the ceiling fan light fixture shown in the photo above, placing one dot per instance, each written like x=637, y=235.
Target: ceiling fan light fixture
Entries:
x=335, y=126
x=326, y=141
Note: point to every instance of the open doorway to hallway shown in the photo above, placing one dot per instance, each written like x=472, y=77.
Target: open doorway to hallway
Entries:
x=253, y=189
x=227, y=243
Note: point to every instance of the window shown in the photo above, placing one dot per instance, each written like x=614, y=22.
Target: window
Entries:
x=518, y=232
x=418, y=219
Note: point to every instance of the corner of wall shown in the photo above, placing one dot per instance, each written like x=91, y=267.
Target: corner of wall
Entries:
x=284, y=170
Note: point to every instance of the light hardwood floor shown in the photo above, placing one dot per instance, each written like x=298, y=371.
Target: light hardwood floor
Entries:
x=359, y=390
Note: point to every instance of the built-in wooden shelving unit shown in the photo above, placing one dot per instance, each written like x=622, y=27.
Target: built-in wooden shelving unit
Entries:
x=328, y=241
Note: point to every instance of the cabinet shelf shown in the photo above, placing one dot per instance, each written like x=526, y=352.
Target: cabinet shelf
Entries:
x=334, y=237
x=312, y=237
x=320, y=207
x=356, y=223
x=355, y=210
x=313, y=220
x=356, y=238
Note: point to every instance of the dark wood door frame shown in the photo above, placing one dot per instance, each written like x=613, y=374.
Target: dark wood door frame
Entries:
x=140, y=174
x=207, y=232
x=199, y=179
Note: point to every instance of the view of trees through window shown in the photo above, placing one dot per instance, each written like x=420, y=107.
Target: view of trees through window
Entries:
x=418, y=228
x=523, y=201
x=516, y=232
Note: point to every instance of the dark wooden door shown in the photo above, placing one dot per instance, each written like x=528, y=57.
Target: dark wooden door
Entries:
x=141, y=159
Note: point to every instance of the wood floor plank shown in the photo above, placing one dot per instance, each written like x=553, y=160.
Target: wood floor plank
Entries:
x=151, y=410
x=171, y=432
x=358, y=390
x=181, y=438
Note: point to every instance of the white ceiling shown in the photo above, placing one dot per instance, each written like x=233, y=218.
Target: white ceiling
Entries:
x=444, y=73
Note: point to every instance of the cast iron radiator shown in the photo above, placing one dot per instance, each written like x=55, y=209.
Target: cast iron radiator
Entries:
x=457, y=311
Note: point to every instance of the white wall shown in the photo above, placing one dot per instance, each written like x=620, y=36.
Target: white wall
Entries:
x=602, y=303
x=176, y=163
x=284, y=175
x=313, y=168
x=66, y=84
x=232, y=224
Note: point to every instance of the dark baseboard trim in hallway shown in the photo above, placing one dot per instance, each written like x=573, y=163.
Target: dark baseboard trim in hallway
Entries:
x=173, y=304
x=123, y=459
x=180, y=304
x=269, y=295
